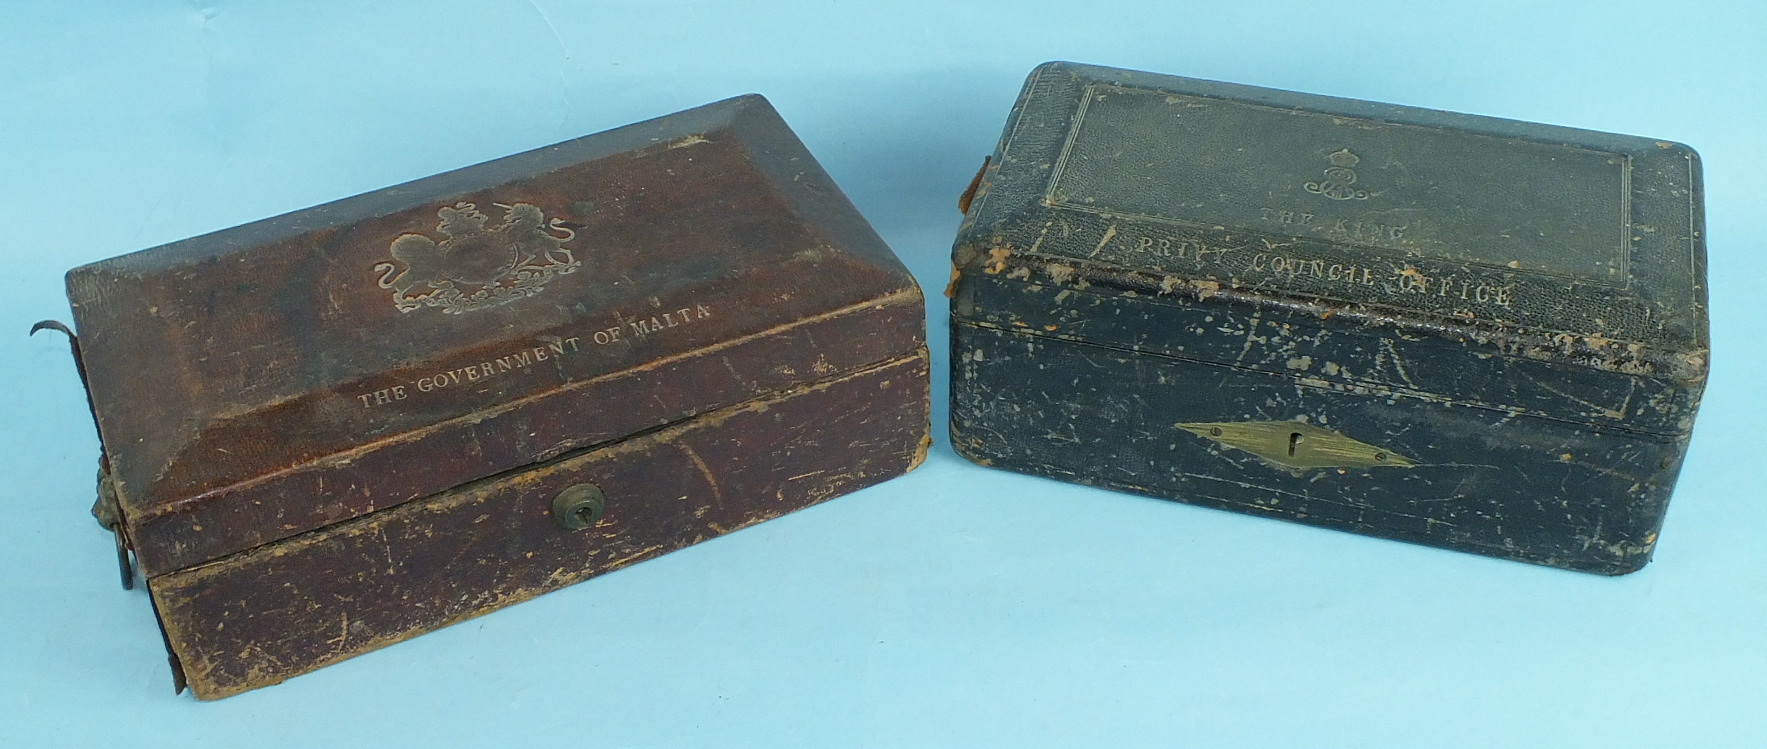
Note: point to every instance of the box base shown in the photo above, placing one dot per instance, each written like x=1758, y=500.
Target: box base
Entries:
x=265, y=615
x=1479, y=480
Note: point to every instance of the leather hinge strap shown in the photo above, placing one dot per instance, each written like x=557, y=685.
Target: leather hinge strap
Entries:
x=969, y=193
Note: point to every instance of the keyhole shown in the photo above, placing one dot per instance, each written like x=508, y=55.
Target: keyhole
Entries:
x=578, y=506
x=1294, y=440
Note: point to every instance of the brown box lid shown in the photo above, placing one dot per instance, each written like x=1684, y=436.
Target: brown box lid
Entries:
x=284, y=375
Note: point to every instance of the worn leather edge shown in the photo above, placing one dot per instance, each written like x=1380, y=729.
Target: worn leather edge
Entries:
x=966, y=445
x=203, y=689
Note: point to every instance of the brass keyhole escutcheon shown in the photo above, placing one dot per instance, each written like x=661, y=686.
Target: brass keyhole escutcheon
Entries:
x=1297, y=444
x=578, y=506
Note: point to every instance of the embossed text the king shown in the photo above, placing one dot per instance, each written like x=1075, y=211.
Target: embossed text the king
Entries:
x=476, y=266
x=1340, y=178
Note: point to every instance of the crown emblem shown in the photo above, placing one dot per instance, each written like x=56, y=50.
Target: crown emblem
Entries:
x=1340, y=178
x=477, y=266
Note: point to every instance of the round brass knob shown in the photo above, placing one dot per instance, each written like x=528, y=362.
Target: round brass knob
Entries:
x=578, y=507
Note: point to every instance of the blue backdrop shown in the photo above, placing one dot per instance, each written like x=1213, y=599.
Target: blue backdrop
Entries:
x=957, y=606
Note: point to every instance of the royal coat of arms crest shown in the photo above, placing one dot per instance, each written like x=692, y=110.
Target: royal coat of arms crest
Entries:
x=478, y=266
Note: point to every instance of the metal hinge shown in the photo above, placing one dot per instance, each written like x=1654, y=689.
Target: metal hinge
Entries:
x=106, y=510
x=109, y=512
x=110, y=515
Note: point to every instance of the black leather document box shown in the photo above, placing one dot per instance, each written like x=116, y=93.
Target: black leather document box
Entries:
x=1455, y=330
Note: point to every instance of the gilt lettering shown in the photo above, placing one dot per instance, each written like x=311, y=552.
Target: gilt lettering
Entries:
x=547, y=351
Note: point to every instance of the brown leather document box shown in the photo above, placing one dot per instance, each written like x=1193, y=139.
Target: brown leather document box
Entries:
x=335, y=429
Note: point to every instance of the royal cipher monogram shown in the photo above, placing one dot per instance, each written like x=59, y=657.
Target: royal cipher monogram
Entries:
x=1340, y=178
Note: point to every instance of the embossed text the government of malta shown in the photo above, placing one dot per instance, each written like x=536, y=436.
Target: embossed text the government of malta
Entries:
x=625, y=330
x=520, y=359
